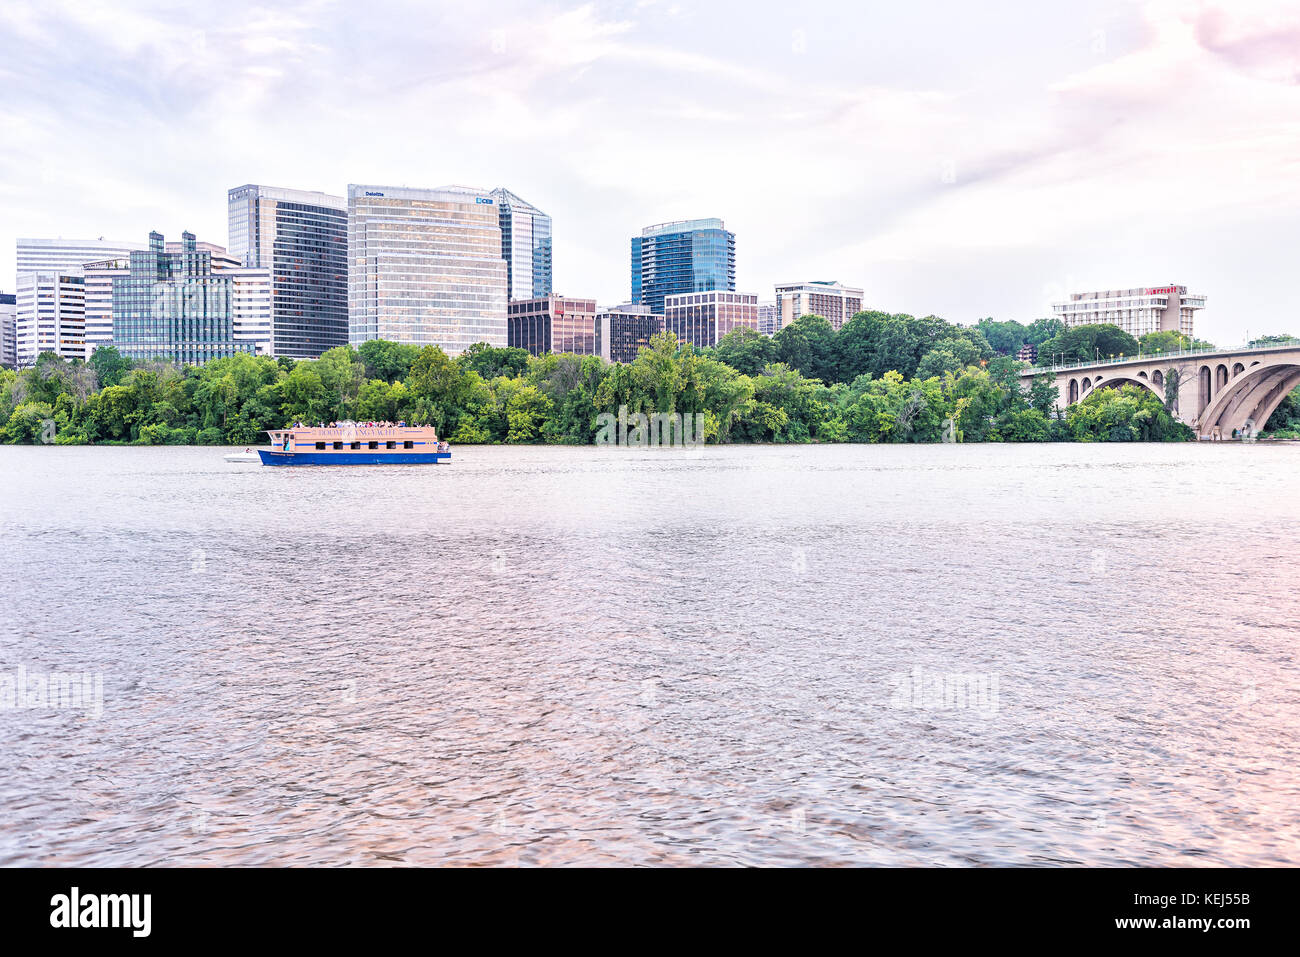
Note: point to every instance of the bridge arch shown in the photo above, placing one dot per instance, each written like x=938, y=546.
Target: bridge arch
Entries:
x=1119, y=380
x=1203, y=391
x=1220, y=378
x=1250, y=399
x=1237, y=369
x=1074, y=391
x=1158, y=379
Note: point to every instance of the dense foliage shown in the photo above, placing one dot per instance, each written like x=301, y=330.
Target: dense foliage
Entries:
x=880, y=378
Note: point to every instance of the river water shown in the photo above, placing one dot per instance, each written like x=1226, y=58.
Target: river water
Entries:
x=740, y=655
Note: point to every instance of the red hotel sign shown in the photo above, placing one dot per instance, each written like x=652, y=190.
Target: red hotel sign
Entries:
x=1163, y=290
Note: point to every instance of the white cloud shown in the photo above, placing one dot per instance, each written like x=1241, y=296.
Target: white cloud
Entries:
x=960, y=176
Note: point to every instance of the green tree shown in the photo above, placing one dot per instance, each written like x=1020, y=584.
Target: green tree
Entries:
x=387, y=361
x=1129, y=414
x=1088, y=343
x=492, y=361
x=441, y=390
x=808, y=346
x=746, y=350
x=1005, y=338
x=109, y=365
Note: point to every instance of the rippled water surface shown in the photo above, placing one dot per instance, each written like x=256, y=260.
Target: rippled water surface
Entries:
x=559, y=656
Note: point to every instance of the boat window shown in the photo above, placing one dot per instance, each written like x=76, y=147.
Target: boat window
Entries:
x=392, y=445
x=356, y=445
x=320, y=445
x=338, y=445
x=408, y=444
x=374, y=445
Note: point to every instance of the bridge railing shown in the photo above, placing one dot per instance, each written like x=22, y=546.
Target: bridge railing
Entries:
x=1153, y=356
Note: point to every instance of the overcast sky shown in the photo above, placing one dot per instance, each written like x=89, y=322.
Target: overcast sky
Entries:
x=959, y=159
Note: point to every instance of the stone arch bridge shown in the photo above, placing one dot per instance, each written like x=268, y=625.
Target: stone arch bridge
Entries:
x=1217, y=393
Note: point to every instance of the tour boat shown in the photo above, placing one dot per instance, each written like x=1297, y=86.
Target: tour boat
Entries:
x=350, y=443
x=248, y=455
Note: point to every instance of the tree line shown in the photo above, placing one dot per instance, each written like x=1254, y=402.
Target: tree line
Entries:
x=880, y=378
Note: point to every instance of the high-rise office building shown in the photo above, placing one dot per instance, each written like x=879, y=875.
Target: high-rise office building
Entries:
x=769, y=319
x=425, y=267
x=525, y=245
x=8, y=330
x=621, y=331
x=1137, y=311
x=694, y=255
x=302, y=237
x=50, y=316
x=702, y=318
x=68, y=255
x=176, y=306
x=833, y=301
x=552, y=324
x=251, y=309
x=99, y=278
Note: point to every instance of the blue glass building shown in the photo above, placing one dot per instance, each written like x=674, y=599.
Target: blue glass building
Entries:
x=525, y=246
x=175, y=306
x=693, y=255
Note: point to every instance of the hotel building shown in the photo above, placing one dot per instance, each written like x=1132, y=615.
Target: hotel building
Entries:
x=50, y=316
x=702, y=318
x=525, y=245
x=68, y=255
x=769, y=320
x=8, y=330
x=302, y=238
x=833, y=301
x=621, y=331
x=176, y=305
x=693, y=255
x=552, y=324
x=425, y=267
x=1137, y=311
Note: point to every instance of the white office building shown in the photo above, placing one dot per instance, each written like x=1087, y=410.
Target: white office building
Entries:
x=50, y=316
x=8, y=330
x=99, y=278
x=1137, y=311
x=251, y=307
x=425, y=267
x=68, y=255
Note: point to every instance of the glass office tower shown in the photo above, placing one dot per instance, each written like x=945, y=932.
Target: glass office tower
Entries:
x=525, y=245
x=302, y=237
x=175, y=306
x=425, y=267
x=693, y=255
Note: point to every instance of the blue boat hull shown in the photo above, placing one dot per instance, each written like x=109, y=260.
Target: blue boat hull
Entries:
x=352, y=458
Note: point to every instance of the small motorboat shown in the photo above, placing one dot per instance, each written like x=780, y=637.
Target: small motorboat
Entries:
x=248, y=456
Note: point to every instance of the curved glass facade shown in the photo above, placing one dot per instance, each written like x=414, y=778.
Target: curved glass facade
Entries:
x=525, y=246
x=696, y=255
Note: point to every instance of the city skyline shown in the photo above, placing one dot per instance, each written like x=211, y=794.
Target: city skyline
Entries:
x=960, y=185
